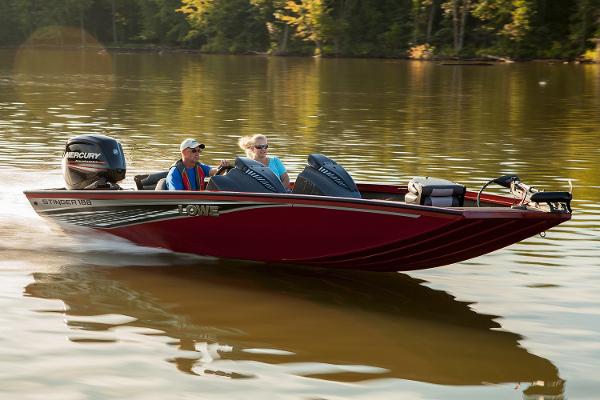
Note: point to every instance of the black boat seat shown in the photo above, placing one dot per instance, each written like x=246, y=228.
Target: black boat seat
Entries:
x=149, y=181
x=428, y=191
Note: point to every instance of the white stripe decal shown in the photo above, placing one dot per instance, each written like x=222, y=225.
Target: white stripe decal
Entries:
x=254, y=207
x=41, y=208
x=360, y=210
x=146, y=221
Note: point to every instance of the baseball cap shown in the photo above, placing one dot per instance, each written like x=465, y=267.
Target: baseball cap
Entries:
x=191, y=143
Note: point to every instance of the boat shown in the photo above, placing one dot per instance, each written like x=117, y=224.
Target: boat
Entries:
x=326, y=220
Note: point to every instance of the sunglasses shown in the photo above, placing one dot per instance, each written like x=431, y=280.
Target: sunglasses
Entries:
x=261, y=146
x=196, y=150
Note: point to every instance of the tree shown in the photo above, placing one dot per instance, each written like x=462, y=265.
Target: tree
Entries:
x=366, y=28
x=161, y=23
x=585, y=24
x=230, y=26
x=508, y=18
x=459, y=11
x=279, y=31
x=521, y=16
x=48, y=19
x=510, y=22
x=311, y=21
x=433, y=9
x=12, y=26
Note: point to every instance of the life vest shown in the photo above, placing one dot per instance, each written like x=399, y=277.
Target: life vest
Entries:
x=186, y=179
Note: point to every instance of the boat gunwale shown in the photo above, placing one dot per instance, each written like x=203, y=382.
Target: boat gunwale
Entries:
x=465, y=212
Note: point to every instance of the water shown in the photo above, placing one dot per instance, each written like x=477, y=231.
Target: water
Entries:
x=90, y=316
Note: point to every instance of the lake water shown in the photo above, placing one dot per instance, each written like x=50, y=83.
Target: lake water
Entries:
x=88, y=316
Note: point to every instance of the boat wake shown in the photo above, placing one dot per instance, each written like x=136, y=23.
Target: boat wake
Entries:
x=29, y=238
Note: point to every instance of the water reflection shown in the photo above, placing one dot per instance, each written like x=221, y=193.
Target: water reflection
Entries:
x=399, y=120
x=325, y=324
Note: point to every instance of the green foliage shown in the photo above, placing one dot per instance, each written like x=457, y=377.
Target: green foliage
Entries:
x=370, y=28
x=227, y=26
x=585, y=25
x=363, y=28
x=12, y=16
x=311, y=21
x=160, y=24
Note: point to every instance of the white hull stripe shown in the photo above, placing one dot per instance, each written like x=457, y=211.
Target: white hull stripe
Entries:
x=115, y=217
x=104, y=216
x=140, y=203
x=359, y=210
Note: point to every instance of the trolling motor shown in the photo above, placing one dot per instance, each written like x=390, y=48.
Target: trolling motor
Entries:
x=555, y=201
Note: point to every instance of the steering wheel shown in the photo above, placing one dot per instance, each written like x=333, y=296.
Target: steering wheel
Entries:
x=224, y=169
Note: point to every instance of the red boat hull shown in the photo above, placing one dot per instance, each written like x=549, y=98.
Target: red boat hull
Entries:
x=366, y=234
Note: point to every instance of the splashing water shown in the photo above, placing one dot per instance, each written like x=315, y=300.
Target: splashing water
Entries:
x=27, y=235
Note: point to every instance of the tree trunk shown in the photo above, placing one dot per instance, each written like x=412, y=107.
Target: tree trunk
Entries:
x=455, y=24
x=430, y=20
x=463, y=23
x=542, y=11
x=346, y=8
x=114, y=21
x=318, y=51
x=284, y=39
x=416, y=14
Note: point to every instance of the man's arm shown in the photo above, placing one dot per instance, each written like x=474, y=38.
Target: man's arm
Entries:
x=223, y=163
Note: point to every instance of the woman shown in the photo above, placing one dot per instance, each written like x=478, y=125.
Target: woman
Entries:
x=256, y=148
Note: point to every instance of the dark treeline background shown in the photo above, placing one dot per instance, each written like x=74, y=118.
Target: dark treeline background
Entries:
x=364, y=28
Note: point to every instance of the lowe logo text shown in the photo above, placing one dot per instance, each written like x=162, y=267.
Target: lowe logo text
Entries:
x=202, y=210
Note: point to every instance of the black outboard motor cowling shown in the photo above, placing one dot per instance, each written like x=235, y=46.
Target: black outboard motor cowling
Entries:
x=324, y=177
x=247, y=176
x=93, y=162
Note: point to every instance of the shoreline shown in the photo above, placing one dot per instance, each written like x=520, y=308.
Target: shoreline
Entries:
x=444, y=60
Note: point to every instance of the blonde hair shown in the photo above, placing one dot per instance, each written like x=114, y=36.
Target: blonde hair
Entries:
x=247, y=142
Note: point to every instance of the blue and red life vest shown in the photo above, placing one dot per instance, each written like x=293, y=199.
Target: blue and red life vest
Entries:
x=185, y=178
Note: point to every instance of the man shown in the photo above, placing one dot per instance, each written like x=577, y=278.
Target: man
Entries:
x=188, y=173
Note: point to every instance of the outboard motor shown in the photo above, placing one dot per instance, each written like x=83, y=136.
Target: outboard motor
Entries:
x=93, y=162
x=247, y=176
x=324, y=177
